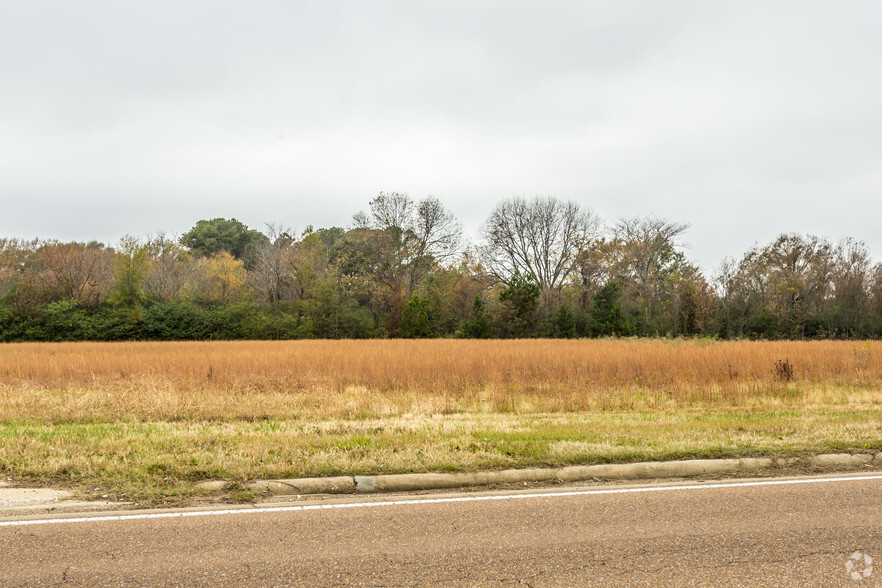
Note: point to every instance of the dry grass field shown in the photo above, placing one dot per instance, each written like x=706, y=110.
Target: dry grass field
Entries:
x=148, y=419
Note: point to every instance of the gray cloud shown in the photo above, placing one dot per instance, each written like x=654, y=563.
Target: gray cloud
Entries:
x=744, y=119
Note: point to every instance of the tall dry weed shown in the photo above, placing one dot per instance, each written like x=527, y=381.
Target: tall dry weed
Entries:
x=398, y=377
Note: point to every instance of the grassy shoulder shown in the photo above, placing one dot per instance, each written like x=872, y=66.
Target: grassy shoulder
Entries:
x=159, y=462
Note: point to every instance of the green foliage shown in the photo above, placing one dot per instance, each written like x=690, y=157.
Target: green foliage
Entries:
x=210, y=237
x=565, y=323
x=176, y=320
x=110, y=323
x=130, y=271
x=392, y=275
x=330, y=314
x=478, y=326
x=417, y=321
x=240, y=320
x=68, y=320
x=63, y=321
x=606, y=313
x=441, y=292
x=519, y=300
x=761, y=324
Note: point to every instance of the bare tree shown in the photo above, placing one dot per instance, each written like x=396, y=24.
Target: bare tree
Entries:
x=73, y=271
x=437, y=236
x=650, y=246
x=542, y=237
x=15, y=257
x=413, y=235
x=788, y=281
x=393, y=210
x=851, y=277
x=274, y=267
x=799, y=270
x=650, y=256
x=171, y=268
x=875, y=296
x=730, y=295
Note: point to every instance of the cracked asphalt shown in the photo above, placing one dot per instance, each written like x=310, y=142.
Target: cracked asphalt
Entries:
x=774, y=535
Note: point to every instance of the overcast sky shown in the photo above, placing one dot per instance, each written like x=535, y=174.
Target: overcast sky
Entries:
x=745, y=119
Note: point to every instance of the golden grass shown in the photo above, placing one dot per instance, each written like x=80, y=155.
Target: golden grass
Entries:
x=347, y=379
x=148, y=419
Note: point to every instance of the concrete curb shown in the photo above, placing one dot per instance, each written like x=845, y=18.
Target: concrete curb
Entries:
x=336, y=485
x=627, y=471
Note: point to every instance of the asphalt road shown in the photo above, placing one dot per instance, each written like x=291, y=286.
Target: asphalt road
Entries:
x=790, y=534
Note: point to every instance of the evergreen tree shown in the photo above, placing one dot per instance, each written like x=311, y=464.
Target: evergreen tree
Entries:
x=607, y=317
x=520, y=300
x=565, y=323
x=210, y=237
x=478, y=325
x=417, y=321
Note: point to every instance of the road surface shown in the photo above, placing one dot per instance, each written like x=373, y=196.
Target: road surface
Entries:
x=810, y=531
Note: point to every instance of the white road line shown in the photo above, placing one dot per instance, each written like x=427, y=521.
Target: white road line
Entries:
x=271, y=509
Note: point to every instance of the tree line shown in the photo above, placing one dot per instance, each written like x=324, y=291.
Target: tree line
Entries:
x=544, y=267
